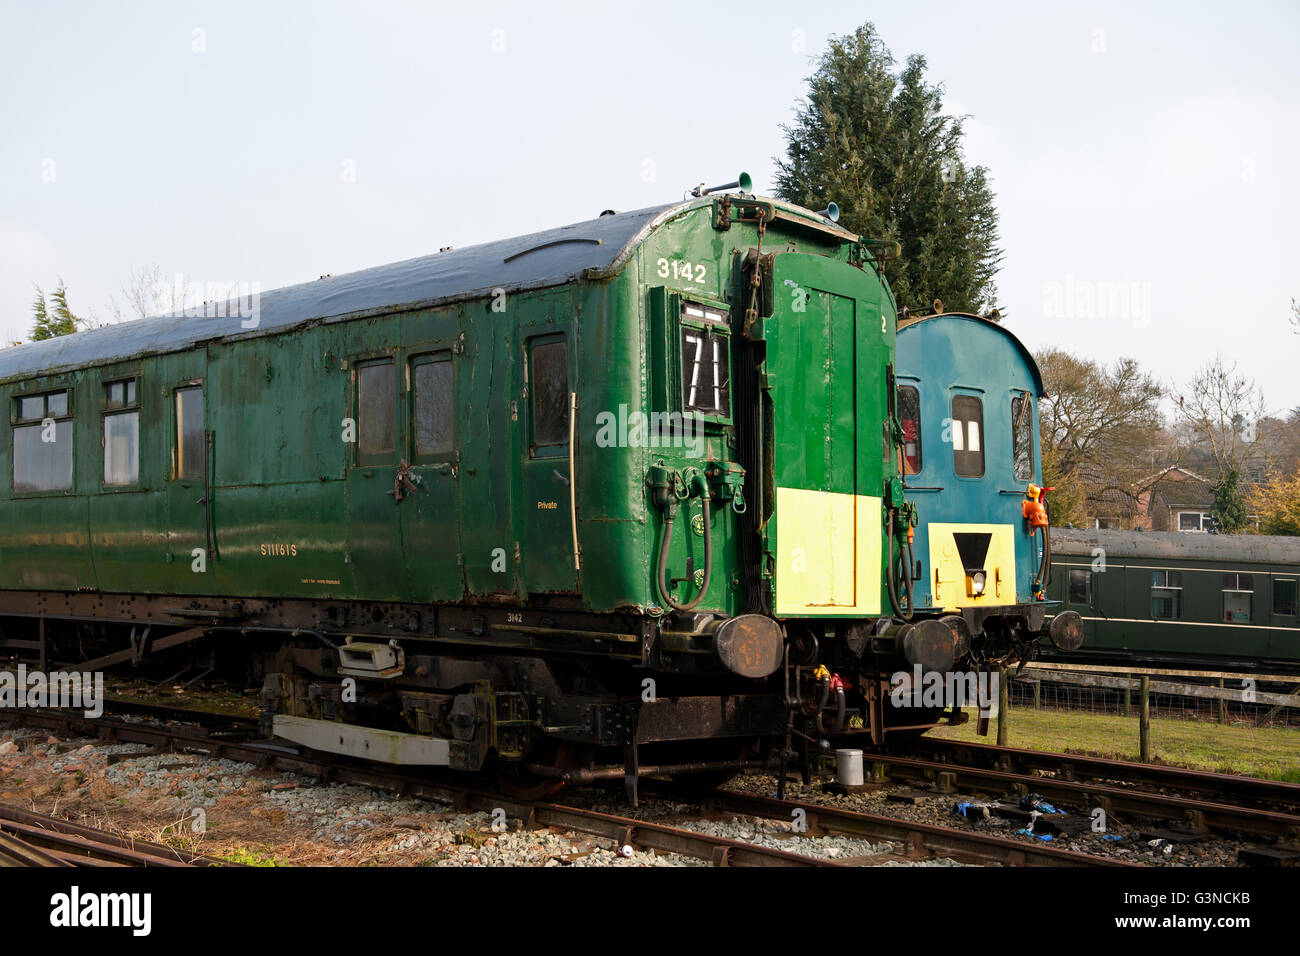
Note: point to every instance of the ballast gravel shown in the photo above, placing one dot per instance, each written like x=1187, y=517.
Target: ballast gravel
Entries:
x=224, y=807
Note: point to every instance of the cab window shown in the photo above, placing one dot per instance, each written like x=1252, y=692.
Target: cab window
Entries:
x=706, y=364
x=1022, y=437
x=909, y=416
x=968, y=436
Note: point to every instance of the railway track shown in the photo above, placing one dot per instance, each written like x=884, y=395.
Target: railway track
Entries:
x=1261, y=808
x=918, y=840
x=33, y=839
x=1252, y=790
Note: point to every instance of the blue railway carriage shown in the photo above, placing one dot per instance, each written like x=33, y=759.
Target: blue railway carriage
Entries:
x=967, y=401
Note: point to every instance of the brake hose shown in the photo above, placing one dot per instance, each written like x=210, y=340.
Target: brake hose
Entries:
x=670, y=517
x=892, y=576
x=1044, y=576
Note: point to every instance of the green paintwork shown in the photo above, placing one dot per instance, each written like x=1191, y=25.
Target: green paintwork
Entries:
x=295, y=515
x=1117, y=606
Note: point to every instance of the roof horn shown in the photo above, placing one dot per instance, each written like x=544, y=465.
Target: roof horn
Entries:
x=743, y=182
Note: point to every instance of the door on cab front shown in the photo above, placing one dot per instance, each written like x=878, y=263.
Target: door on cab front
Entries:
x=827, y=347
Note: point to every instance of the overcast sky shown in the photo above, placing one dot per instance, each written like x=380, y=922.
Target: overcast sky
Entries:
x=1145, y=161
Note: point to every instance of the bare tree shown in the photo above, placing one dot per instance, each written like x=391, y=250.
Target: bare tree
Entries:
x=148, y=293
x=1101, y=429
x=1295, y=315
x=1279, y=440
x=1222, y=410
x=1096, y=418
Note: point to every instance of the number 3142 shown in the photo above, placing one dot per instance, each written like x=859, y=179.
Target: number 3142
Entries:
x=681, y=269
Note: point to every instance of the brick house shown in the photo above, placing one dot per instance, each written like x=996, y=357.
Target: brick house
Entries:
x=1174, y=499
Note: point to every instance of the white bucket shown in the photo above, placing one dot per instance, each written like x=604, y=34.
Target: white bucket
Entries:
x=848, y=767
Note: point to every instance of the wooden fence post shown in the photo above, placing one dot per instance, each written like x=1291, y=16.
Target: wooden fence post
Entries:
x=1003, y=707
x=1144, y=719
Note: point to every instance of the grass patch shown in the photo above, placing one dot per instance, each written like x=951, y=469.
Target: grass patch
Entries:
x=251, y=857
x=1272, y=753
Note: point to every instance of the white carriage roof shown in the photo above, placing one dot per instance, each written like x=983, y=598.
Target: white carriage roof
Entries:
x=1181, y=546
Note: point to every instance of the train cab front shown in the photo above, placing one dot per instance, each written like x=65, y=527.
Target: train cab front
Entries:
x=967, y=400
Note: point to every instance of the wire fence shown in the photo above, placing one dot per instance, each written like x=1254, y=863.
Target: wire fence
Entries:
x=1230, y=723
x=1126, y=702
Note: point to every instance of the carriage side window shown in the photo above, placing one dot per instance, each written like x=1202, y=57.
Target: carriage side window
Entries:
x=1022, y=436
x=1080, y=586
x=909, y=416
x=375, y=411
x=1166, y=595
x=43, y=442
x=706, y=365
x=968, y=436
x=189, y=432
x=121, y=433
x=548, y=378
x=1238, y=595
x=1285, y=597
x=432, y=404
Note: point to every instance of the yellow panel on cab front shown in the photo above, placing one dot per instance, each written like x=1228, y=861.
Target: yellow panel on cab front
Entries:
x=828, y=553
x=957, y=548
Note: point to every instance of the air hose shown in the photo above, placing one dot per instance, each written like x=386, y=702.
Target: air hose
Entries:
x=892, y=573
x=670, y=518
x=841, y=704
x=1044, y=576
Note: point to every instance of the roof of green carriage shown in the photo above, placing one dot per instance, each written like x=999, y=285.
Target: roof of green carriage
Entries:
x=1178, y=545
x=981, y=322
x=538, y=260
x=553, y=257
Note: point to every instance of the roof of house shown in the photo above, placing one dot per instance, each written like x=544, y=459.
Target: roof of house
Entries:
x=1111, y=495
x=1163, y=475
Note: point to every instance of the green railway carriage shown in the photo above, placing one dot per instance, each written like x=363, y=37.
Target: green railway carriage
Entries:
x=496, y=486
x=1227, y=602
